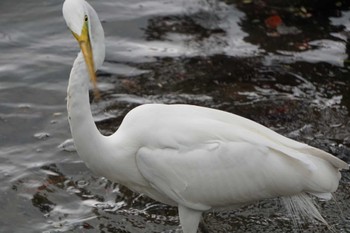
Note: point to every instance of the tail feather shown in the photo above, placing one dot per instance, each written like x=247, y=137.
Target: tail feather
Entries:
x=336, y=162
x=302, y=207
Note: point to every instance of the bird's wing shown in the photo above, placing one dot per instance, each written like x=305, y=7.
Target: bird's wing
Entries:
x=280, y=140
x=216, y=173
x=271, y=137
x=181, y=124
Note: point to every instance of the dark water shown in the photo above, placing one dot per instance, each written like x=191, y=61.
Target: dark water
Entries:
x=222, y=54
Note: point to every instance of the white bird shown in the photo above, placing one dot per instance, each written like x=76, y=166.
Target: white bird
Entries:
x=192, y=157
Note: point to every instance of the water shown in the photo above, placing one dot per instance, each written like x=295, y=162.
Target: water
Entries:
x=293, y=79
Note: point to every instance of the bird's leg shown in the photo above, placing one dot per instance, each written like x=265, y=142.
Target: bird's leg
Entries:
x=189, y=219
x=203, y=227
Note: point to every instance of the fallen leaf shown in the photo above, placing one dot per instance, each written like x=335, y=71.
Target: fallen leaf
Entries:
x=273, y=21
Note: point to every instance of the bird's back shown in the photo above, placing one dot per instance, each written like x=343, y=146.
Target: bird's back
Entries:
x=206, y=123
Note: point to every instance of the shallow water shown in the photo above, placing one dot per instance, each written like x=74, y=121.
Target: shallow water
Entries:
x=293, y=79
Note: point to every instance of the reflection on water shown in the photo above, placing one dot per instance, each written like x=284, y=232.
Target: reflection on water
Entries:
x=290, y=74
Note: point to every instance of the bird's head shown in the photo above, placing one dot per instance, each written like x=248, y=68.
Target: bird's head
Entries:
x=85, y=26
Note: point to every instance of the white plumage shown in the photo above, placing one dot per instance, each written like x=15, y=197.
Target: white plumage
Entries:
x=192, y=157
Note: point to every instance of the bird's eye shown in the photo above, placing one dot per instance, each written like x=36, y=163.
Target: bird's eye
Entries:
x=86, y=18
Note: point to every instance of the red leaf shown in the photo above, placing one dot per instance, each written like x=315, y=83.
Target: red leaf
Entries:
x=273, y=21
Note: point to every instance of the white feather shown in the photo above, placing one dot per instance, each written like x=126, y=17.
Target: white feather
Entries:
x=302, y=207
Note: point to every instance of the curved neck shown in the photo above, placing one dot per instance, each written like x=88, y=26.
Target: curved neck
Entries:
x=105, y=155
x=87, y=137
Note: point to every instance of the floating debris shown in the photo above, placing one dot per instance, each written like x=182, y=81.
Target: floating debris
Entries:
x=42, y=135
x=67, y=145
x=56, y=114
x=24, y=106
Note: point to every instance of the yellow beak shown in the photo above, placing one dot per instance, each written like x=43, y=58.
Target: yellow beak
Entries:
x=86, y=49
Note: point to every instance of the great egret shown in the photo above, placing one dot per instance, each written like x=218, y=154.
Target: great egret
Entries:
x=192, y=157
